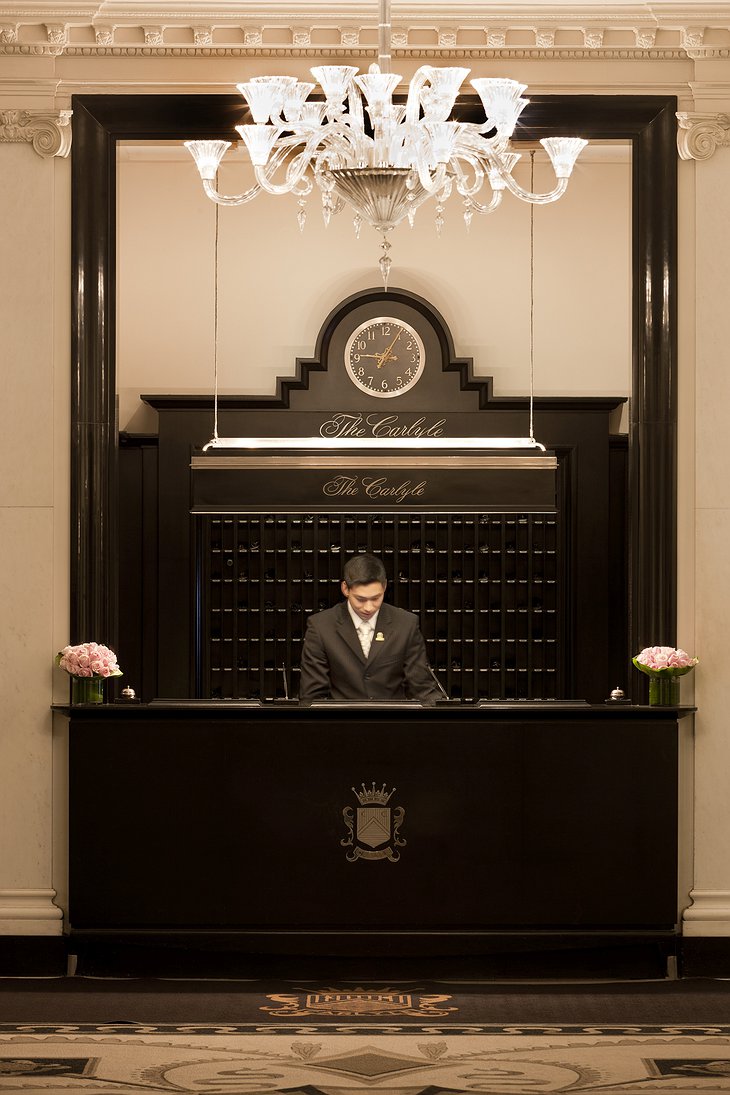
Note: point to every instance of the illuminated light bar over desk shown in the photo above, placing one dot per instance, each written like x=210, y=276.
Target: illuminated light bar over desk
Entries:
x=206, y=837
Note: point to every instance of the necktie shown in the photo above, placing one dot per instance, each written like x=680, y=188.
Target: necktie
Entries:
x=366, y=637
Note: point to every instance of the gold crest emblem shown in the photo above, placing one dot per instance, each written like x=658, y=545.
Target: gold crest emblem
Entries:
x=380, y=1004
x=374, y=833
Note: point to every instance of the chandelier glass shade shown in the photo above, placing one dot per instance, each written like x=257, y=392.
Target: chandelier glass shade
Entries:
x=382, y=158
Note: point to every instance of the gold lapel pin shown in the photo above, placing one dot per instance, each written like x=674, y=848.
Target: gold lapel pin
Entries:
x=380, y=637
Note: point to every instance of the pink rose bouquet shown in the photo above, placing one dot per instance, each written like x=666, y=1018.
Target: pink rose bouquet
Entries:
x=664, y=661
x=88, y=660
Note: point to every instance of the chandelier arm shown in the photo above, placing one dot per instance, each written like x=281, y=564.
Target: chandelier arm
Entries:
x=339, y=139
x=355, y=117
x=296, y=182
x=413, y=102
x=466, y=189
x=431, y=183
x=337, y=154
x=479, y=207
x=302, y=187
x=484, y=148
x=331, y=135
x=229, y=199
x=529, y=196
x=497, y=144
x=296, y=168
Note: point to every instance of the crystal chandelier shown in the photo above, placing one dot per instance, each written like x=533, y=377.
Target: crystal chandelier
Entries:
x=383, y=159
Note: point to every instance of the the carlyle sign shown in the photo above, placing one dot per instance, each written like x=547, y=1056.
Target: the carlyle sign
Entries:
x=379, y=425
x=374, y=487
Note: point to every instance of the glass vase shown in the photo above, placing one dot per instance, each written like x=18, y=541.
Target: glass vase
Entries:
x=664, y=691
x=87, y=690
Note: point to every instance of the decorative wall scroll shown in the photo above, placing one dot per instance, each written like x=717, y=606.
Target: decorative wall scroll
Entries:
x=700, y=135
x=50, y=134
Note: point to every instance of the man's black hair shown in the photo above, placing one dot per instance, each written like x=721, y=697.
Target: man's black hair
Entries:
x=362, y=570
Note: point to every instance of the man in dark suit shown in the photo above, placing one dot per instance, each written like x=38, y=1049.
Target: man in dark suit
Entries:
x=364, y=649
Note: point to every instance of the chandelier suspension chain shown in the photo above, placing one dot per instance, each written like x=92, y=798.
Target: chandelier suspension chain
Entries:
x=384, y=27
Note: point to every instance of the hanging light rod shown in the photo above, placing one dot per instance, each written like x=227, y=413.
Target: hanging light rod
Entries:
x=374, y=444
x=387, y=168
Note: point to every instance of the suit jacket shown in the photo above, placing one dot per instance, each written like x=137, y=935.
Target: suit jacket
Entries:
x=334, y=667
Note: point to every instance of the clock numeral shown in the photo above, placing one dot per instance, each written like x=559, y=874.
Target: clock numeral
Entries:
x=385, y=329
x=413, y=357
x=371, y=334
x=356, y=358
x=361, y=344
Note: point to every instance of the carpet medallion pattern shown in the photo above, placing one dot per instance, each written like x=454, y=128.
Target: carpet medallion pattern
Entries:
x=354, y=1042
x=336, y=1061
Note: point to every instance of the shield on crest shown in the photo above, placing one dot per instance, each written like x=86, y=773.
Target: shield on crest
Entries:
x=373, y=825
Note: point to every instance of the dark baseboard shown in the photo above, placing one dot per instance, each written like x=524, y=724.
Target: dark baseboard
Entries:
x=553, y=956
x=33, y=955
x=705, y=956
x=131, y=954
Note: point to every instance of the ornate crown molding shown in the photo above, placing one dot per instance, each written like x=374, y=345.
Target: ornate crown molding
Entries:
x=700, y=135
x=50, y=134
x=439, y=55
x=573, y=29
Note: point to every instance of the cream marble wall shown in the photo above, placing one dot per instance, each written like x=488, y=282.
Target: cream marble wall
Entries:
x=710, y=912
x=27, y=531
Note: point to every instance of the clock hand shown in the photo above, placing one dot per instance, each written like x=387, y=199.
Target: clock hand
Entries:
x=387, y=355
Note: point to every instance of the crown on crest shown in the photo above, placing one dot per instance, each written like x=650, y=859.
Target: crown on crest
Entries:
x=373, y=794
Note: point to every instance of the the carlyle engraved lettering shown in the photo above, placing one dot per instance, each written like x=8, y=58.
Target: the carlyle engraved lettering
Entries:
x=377, y=425
x=349, y=486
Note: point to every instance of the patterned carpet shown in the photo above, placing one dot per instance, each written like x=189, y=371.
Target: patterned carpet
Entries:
x=345, y=1041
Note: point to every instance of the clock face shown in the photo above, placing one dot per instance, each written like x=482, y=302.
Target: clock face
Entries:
x=384, y=357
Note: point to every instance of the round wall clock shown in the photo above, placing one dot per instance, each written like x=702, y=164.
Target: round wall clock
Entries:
x=384, y=357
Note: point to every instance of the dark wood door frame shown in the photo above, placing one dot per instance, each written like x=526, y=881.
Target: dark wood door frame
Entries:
x=649, y=122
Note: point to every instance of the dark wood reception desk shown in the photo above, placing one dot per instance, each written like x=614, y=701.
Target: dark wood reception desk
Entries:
x=393, y=830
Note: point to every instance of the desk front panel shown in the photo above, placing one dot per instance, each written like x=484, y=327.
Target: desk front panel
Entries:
x=252, y=823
